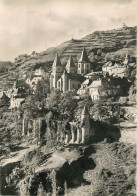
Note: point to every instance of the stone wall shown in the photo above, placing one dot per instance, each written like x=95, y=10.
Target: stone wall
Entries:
x=128, y=135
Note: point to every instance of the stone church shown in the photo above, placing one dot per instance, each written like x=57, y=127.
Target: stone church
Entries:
x=70, y=77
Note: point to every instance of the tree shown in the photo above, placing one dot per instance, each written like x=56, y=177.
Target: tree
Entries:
x=42, y=88
x=53, y=100
x=30, y=107
x=67, y=105
x=4, y=100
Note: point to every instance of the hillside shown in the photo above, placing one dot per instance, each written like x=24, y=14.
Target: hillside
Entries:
x=56, y=142
x=115, y=43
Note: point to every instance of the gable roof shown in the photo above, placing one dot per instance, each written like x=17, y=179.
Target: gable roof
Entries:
x=56, y=62
x=95, y=84
x=70, y=62
x=86, y=82
x=84, y=56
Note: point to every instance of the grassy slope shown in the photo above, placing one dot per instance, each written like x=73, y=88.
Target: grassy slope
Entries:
x=114, y=173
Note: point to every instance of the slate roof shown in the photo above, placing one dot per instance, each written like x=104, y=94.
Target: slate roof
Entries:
x=84, y=56
x=70, y=62
x=56, y=62
x=75, y=76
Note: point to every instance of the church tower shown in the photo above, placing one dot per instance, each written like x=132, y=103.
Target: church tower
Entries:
x=70, y=67
x=57, y=70
x=85, y=119
x=83, y=63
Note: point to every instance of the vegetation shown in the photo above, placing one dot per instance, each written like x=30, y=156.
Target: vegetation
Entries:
x=48, y=115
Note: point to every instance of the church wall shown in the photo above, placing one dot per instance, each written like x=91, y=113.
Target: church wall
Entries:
x=51, y=81
x=83, y=68
x=65, y=82
x=74, y=84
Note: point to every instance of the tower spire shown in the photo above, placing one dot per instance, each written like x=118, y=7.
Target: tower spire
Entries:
x=84, y=56
x=70, y=67
x=56, y=62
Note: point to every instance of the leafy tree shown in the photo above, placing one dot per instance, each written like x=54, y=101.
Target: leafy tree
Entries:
x=42, y=88
x=30, y=107
x=53, y=100
x=67, y=104
x=4, y=100
x=22, y=83
x=106, y=112
x=130, y=73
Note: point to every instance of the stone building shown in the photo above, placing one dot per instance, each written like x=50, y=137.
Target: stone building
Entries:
x=82, y=134
x=75, y=135
x=70, y=77
x=117, y=69
x=16, y=102
x=83, y=63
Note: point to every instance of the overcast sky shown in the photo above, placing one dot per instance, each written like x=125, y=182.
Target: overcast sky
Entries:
x=28, y=25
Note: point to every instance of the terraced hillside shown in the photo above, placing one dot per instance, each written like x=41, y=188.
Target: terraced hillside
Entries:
x=115, y=43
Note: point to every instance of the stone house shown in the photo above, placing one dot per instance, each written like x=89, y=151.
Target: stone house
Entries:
x=102, y=87
x=33, y=82
x=84, y=86
x=38, y=72
x=94, y=75
x=94, y=89
x=117, y=69
x=16, y=102
x=42, y=73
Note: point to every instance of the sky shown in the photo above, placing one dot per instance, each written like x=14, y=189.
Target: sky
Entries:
x=35, y=25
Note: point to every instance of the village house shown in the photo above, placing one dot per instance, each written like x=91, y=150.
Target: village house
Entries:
x=16, y=102
x=33, y=82
x=94, y=75
x=69, y=78
x=39, y=72
x=84, y=86
x=116, y=69
x=94, y=89
x=11, y=92
x=101, y=87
